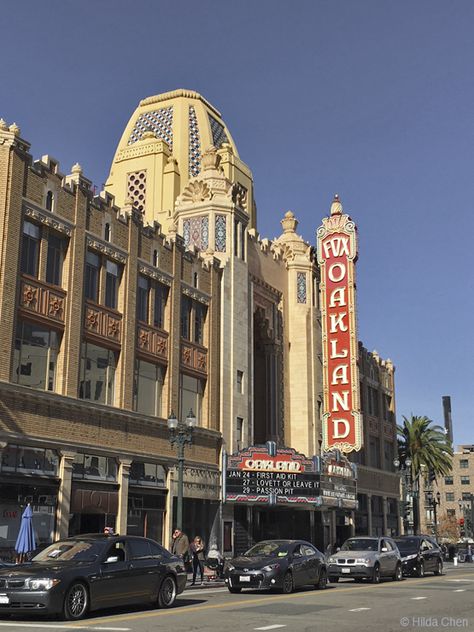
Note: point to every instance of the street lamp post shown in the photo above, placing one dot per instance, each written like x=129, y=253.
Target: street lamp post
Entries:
x=434, y=503
x=404, y=469
x=181, y=433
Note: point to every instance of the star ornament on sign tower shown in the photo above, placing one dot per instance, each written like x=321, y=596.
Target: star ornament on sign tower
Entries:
x=337, y=254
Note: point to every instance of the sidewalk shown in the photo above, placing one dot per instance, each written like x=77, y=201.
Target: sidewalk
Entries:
x=208, y=583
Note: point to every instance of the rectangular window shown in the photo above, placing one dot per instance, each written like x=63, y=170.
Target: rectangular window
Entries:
x=148, y=388
x=186, y=307
x=199, y=319
x=142, y=299
x=239, y=432
x=161, y=296
x=448, y=480
x=240, y=381
x=465, y=496
x=451, y=513
x=55, y=259
x=388, y=454
x=112, y=273
x=35, y=356
x=97, y=374
x=30, y=247
x=465, y=480
x=449, y=497
x=464, y=464
x=94, y=467
x=374, y=447
x=191, y=392
x=91, y=288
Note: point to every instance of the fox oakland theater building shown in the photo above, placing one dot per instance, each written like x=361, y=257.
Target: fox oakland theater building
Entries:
x=156, y=303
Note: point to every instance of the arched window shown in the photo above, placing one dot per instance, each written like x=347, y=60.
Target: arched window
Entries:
x=49, y=200
x=155, y=258
x=107, y=232
x=195, y=279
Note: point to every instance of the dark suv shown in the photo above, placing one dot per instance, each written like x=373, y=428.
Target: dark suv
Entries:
x=420, y=554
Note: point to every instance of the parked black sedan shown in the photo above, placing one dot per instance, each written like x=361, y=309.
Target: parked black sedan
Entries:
x=420, y=554
x=87, y=572
x=280, y=564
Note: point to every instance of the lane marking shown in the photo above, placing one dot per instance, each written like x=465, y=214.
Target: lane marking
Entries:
x=271, y=627
x=243, y=603
x=460, y=590
x=358, y=609
x=417, y=598
x=460, y=580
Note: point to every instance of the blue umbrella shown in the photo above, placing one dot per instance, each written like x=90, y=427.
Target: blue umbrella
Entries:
x=25, y=542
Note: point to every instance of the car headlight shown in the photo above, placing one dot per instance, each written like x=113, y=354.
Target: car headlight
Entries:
x=271, y=567
x=230, y=567
x=44, y=583
x=362, y=561
x=410, y=557
x=332, y=560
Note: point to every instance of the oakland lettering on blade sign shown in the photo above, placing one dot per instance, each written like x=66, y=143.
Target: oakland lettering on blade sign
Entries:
x=337, y=254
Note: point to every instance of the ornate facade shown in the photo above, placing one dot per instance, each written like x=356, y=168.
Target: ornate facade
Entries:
x=159, y=295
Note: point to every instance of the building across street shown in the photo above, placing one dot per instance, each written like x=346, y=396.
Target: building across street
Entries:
x=157, y=301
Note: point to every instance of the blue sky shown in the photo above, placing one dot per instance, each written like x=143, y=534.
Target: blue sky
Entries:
x=371, y=99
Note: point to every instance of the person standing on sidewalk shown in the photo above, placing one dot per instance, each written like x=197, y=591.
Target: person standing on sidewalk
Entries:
x=197, y=551
x=180, y=546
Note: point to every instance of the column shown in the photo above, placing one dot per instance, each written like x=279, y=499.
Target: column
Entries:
x=353, y=528
x=123, y=475
x=64, y=496
x=384, y=512
x=369, y=514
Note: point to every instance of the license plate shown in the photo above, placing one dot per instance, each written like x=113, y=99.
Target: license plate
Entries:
x=4, y=599
x=345, y=570
x=244, y=578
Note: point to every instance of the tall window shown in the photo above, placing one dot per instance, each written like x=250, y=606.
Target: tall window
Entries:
x=30, y=248
x=49, y=201
x=186, y=307
x=193, y=317
x=92, y=276
x=111, y=284
x=464, y=464
x=97, y=374
x=142, y=298
x=191, y=392
x=240, y=381
x=35, y=356
x=55, y=259
x=374, y=448
x=161, y=296
x=148, y=387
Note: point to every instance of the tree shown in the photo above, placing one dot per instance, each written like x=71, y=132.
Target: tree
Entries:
x=448, y=529
x=427, y=446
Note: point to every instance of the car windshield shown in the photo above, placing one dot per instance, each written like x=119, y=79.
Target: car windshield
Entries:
x=277, y=549
x=76, y=550
x=361, y=544
x=407, y=545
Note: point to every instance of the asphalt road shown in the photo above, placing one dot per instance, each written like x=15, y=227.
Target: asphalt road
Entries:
x=442, y=603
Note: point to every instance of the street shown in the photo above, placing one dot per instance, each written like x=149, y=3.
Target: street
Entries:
x=444, y=602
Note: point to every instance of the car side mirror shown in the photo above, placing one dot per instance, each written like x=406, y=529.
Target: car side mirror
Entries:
x=384, y=549
x=111, y=559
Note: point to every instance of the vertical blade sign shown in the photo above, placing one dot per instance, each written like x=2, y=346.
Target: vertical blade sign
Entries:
x=337, y=254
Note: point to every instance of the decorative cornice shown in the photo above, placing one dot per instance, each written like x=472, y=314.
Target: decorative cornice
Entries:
x=142, y=148
x=107, y=249
x=154, y=273
x=195, y=294
x=47, y=218
x=175, y=94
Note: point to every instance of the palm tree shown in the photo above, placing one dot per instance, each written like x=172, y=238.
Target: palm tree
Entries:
x=426, y=446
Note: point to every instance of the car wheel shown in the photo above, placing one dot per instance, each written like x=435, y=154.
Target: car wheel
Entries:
x=376, y=574
x=167, y=592
x=287, y=586
x=439, y=568
x=234, y=589
x=323, y=580
x=76, y=602
x=398, y=573
x=333, y=580
x=420, y=569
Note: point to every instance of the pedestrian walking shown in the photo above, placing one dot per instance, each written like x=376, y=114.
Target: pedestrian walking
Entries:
x=197, y=551
x=180, y=546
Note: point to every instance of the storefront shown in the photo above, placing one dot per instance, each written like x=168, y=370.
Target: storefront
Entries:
x=27, y=475
x=147, y=494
